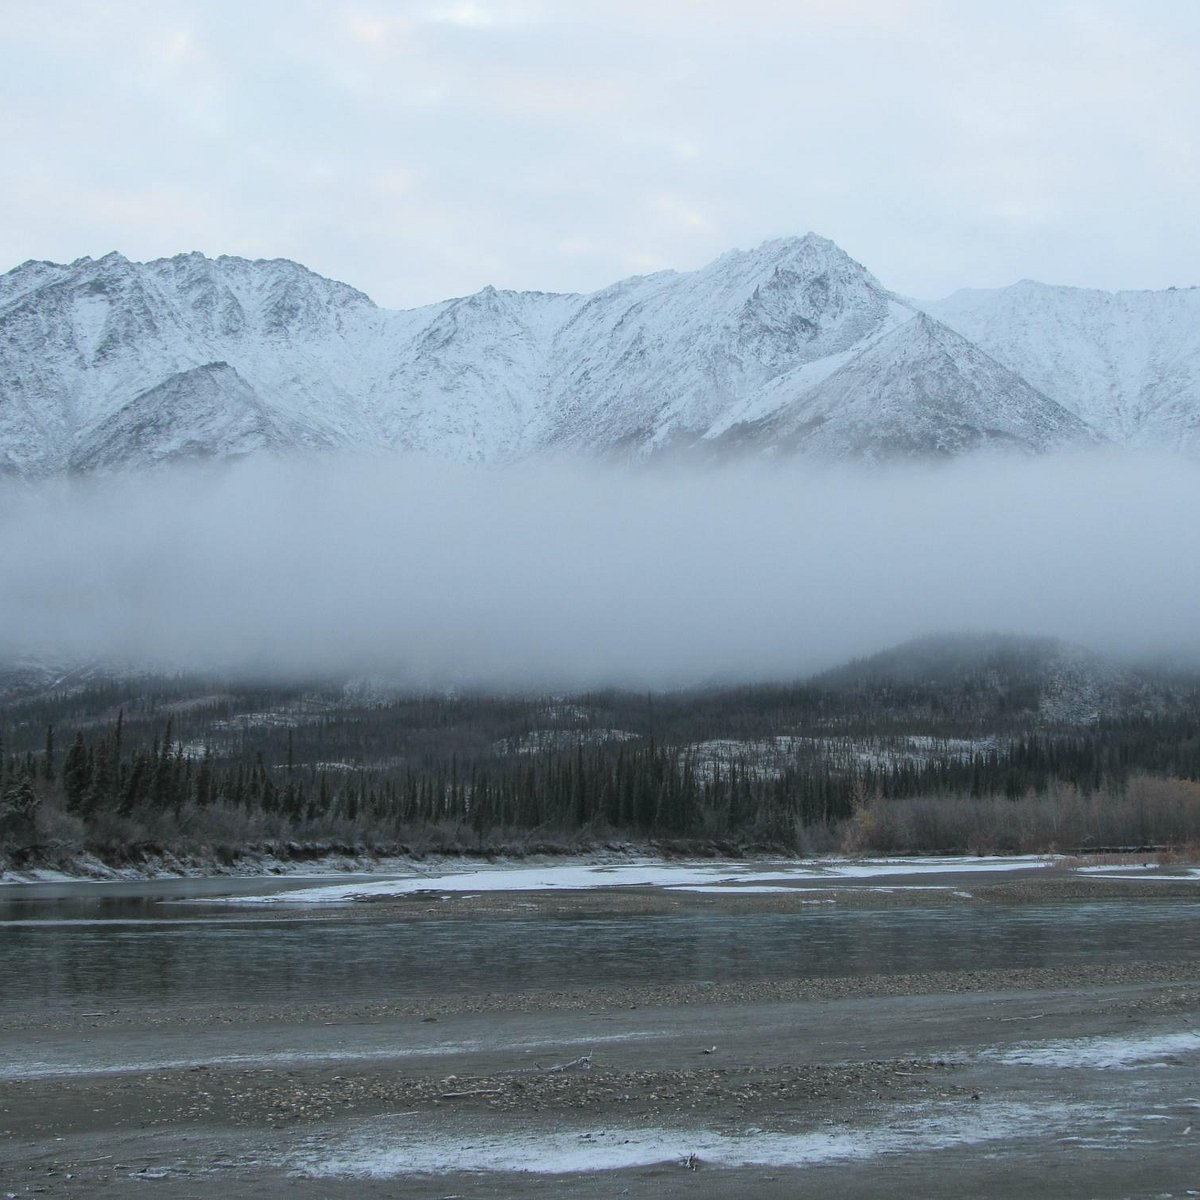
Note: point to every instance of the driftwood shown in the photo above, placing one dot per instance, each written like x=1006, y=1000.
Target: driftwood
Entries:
x=582, y=1063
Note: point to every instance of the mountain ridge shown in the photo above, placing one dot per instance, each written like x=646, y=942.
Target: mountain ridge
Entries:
x=790, y=348
x=1126, y=362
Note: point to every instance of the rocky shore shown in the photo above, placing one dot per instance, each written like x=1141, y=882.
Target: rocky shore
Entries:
x=921, y=1082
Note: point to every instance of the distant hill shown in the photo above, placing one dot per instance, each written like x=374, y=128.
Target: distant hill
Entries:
x=1011, y=676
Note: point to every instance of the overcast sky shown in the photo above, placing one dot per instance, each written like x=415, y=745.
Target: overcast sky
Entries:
x=423, y=149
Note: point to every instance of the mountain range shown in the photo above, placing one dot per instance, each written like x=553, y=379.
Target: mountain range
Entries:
x=792, y=348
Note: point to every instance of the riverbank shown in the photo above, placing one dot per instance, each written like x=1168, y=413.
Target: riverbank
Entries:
x=929, y=1027
x=147, y=863
x=300, y=862
x=934, y=1086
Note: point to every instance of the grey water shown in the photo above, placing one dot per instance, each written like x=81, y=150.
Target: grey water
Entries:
x=77, y=949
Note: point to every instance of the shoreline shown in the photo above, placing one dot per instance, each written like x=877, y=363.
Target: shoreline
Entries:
x=674, y=1098
x=90, y=868
x=145, y=865
x=531, y=1087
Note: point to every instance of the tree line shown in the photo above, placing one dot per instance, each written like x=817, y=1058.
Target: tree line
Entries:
x=109, y=790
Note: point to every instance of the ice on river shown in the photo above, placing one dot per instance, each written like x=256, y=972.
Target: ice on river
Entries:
x=731, y=877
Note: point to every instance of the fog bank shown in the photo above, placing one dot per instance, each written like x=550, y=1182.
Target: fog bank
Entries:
x=572, y=575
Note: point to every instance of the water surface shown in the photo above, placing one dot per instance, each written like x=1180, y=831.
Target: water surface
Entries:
x=101, y=949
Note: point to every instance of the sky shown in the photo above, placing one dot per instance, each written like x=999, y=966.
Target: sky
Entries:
x=425, y=148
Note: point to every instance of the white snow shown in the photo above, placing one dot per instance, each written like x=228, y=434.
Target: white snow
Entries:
x=1109, y=869
x=733, y=877
x=1128, y=363
x=387, y=1149
x=574, y=877
x=968, y=864
x=539, y=741
x=1102, y=1052
x=89, y=316
x=768, y=758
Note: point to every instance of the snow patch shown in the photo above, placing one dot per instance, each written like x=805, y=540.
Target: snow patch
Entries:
x=665, y=875
x=1103, y=1053
x=385, y=1149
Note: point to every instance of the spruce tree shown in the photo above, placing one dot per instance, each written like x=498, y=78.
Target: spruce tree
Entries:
x=77, y=775
x=48, y=762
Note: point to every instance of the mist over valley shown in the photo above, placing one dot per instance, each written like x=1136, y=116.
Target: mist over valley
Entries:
x=573, y=574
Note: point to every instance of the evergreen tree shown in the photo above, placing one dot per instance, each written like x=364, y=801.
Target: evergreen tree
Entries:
x=48, y=761
x=77, y=775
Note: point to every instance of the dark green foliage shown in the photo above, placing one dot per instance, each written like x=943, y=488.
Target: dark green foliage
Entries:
x=77, y=775
x=48, y=759
x=303, y=761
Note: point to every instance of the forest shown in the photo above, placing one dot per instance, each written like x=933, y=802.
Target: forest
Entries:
x=999, y=745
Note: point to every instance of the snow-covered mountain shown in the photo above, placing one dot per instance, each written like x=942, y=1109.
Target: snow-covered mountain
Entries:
x=92, y=346
x=671, y=358
x=918, y=390
x=188, y=415
x=791, y=348
x=1127, y=363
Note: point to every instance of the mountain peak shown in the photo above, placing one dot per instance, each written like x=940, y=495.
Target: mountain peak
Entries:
x=809, y=247
x=806, y=243
x=790, y=262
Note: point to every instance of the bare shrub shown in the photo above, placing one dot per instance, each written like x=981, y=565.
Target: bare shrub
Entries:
x=58, y=830
x=1151, y=811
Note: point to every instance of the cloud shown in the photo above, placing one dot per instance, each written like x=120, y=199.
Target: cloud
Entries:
x=569, y=574
x=472, y=15
x=681, y=212
x=942, y=144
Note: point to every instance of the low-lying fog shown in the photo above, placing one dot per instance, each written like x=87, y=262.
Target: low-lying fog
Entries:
x=569, y=574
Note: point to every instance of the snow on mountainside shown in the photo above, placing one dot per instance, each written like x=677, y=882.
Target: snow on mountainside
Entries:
x=920, y=390
x=80, y=343
x=1127, y=363
x=661, y=359
x=791, y=348
x=206, y=412
x=470, y=383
